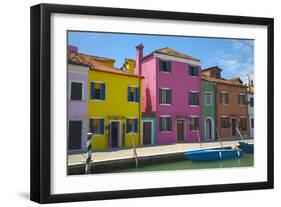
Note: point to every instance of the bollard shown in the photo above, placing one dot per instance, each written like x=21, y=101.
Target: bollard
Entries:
x=89, y=153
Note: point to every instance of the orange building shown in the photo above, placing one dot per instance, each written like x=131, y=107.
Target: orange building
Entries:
x=231, y=104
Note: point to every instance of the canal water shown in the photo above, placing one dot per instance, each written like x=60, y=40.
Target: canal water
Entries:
x=246, y=160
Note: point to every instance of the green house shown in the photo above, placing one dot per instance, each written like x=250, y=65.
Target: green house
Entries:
x=209, y=111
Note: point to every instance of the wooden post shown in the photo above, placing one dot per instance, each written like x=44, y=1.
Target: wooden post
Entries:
x=219, y=137
x=89, y=153
x=198, y=137
x=134, y=150
x=240, y=134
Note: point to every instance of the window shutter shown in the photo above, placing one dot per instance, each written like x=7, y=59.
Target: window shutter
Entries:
x=220, y=97
x=160, y=95
x=169, y=66
x=91, y=125
x=129, y=89
x=101, y=126
x=103, y=91
x=137, y=94
x=190, y=98
x=227, y=100
x=169, y=124
x=161, y=123
x=92, y=90
x=136, y=125
x=170, y=97
x=127, y=125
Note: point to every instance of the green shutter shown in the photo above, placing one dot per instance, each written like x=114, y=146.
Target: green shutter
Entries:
x=101, y=126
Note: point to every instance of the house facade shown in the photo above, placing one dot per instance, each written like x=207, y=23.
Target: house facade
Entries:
x=171, y=94
x=208, y=111
x=114, y=104
x=231, y=104
x=251, y=112
x=77, y=106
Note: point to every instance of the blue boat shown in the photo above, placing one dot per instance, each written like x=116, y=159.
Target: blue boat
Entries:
x=212, y=154
x=246, y=147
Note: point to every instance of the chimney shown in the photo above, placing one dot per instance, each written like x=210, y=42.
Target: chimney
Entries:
x=139, y=54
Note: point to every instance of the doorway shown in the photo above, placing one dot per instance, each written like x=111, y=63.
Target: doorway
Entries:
x=74, y=135
x=209, y=129
x=115, y=133
x=147, y=132
x=233, y=128
x=180, y=130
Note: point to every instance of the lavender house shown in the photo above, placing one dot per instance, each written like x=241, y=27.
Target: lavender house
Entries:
x=171, y=96
x=77, y=106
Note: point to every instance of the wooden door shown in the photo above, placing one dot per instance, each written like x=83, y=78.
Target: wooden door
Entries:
x=180, y=130
x=114, y=133
x=74, y=135
x=147, y=132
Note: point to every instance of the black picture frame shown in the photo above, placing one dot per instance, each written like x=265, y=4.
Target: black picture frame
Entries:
x=41, y=98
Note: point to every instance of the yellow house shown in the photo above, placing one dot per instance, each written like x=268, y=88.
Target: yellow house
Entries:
x=129, y=65
x=114, y=104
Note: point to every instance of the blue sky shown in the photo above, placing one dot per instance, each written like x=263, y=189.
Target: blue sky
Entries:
x=234, y=56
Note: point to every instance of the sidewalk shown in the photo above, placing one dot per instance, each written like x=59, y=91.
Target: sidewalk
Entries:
x=143, y=151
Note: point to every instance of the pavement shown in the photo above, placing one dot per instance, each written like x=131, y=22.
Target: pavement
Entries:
x=142, y=151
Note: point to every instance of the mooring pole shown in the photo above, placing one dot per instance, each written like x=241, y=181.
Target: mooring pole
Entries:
x=89, y=153
x=134, y=150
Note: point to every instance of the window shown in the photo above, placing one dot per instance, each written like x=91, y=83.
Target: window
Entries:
x=193, y=123
x=208, y=98
x=165, y=124
x=224, y=99
x=133, y=94
x=96, y=126
x=132, y=125
x=225, y=123
x=76, y=91
x=243, y=124
x=252, y=102
x=97, y=91
x=241, y=99
x=252, y=123
x=165, y=66
x=215, y=74
x=193, y=70
x=193, y=98
x=165, y=96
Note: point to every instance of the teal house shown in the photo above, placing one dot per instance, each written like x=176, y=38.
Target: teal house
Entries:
x=208, y=111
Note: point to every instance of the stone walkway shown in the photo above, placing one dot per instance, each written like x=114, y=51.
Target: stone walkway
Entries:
x=121, y=153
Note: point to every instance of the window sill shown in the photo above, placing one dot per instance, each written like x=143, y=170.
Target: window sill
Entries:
x=165, y=104
x=165, y=72
x=98, y=135
x=195, y=106
x=133, y=102
x=97, y=100
x=165, y=132
x=77, y=100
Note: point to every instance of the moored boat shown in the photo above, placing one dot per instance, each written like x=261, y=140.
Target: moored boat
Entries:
x=212, y=154
x=246, y=147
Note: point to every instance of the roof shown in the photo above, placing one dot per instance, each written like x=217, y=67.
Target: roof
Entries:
x=211, y=68
x=221, y=81
x=96, y=63
x=234, y=80
x=171, y=52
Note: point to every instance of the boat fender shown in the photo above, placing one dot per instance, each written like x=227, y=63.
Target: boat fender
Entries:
x=238, y=153
x=220, y=155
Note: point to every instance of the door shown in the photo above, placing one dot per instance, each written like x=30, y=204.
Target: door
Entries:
x=114, y=133
x=74, y=135
x=180, y=130
x=209, y=129
x=234, y=132
x=147, y=132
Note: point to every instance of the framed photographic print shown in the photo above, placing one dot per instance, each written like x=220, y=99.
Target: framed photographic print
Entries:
x=132, y=103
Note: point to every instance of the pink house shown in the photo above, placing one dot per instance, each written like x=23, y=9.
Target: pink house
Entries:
x=171, y=92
